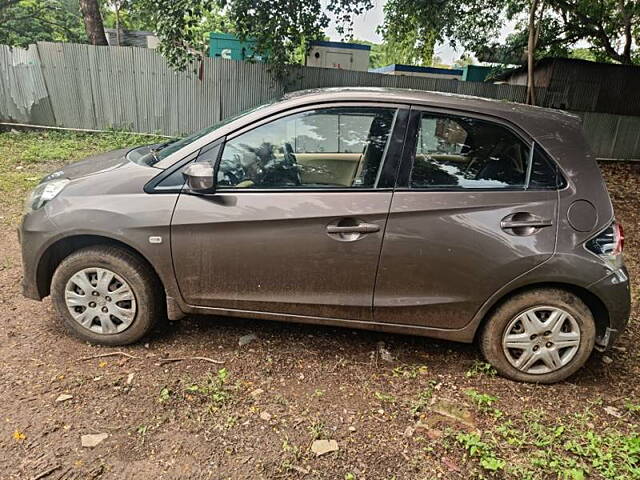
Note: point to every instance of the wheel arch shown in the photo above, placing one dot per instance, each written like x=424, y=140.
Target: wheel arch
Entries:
x=592, y=301
x=63, y=247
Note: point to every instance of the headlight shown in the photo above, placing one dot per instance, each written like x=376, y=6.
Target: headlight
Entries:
x=44, y=192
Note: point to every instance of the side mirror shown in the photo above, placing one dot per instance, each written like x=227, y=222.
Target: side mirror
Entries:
x=199, y=178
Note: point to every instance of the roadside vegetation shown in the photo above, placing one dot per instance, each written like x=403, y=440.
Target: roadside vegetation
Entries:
x=27, y=156
x=292, y=401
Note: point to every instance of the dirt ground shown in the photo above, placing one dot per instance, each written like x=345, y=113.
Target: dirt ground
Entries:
x=398, y=407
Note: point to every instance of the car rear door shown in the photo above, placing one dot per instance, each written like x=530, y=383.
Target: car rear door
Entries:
x=474, y=208
x=291, y=235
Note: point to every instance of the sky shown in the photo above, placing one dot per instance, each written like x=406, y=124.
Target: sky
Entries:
x=364, y=28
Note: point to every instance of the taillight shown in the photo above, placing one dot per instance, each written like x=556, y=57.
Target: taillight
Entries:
x=608, y=244
x=619, y=232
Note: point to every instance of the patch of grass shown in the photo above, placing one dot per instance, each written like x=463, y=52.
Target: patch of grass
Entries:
x=385, y=397
x=213, y=388
x=483, y=401
x=532, y=447
x=25, y=157
x=481, y=368
x=165, y=395
x=409, y=371
x=422, y=401
x=318, y=430
x=484, y=451
x=632, y=407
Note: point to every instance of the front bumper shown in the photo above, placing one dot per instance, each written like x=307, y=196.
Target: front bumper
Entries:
x=615, y=292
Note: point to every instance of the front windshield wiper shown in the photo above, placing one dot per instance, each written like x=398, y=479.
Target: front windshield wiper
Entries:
x=161, y=146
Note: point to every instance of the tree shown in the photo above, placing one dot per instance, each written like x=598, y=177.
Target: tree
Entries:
x=23, y=22
x=612, y=27
x=279, y=27
x=607, y=26
x=93, y=22
x=469, y=23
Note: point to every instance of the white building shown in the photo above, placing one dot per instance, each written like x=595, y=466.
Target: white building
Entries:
x=345, y=56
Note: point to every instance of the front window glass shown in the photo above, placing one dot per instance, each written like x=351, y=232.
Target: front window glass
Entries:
x=458, y=152
x=332, y=147
x=156, y=153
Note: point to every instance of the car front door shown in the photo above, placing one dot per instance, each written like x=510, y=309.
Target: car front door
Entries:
x=474, y=208
x=297, y=220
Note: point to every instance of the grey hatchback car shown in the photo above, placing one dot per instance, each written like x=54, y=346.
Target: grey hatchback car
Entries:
x=401, y=211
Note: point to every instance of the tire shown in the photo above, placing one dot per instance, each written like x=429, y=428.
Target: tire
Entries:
x=517, y=320
x=138, y=313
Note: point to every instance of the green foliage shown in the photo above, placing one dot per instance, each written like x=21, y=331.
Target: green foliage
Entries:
x=23, y=22
x=473, y=443
x=632, y=406
x=165, y=395
x=479, y=369
x=213, y=388
x=482, y=400
x=421, y=23
x=279, y=27
x=409, y=371
x=318, y=430
x=132, y=15
x=611, y=28
x=28, y=156
x=385, y=397
x=422, y=400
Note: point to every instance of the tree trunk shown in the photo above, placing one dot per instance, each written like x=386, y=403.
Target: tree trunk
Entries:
x=117, y=9
x=625, y=13
x=93, y=22
x=531, y=46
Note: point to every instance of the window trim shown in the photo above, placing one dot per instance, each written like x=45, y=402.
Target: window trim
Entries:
x=410, y=149
x=389, y=165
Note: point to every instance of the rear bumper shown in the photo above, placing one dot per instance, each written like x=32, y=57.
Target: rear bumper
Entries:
x=614, y=291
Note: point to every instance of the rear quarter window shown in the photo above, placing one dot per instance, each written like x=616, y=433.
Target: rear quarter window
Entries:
x=545, y=173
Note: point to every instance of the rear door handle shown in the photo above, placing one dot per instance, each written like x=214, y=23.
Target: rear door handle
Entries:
x=536, y=223
x=360, y=228
x=523, y=224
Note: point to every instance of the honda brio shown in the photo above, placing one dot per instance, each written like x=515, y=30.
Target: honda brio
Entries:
x=402, y=211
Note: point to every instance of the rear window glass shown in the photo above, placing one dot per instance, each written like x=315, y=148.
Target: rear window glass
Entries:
x=459, y=153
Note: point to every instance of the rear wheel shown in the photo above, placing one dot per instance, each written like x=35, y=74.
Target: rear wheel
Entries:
x=106, y=295
x=540, y=336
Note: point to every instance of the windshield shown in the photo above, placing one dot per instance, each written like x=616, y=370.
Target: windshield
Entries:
x=156, y=153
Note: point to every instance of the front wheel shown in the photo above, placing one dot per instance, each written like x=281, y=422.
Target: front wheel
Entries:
x=539, y=336
x=106, y=295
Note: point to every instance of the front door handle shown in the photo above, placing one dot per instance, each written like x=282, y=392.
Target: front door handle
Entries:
x=360, y=228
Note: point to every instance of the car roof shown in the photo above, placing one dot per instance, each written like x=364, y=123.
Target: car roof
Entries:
x=537, y=121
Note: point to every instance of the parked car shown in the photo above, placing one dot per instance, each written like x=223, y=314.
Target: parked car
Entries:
x=401, y=211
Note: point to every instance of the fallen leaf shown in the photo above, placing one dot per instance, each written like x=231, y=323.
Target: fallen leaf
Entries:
x=93, y=439
x=18, y=436
x=63, y=397
x=246, y=339
x=452, y=466
x=322, y=447
x=266, y=416
x=613, y=411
